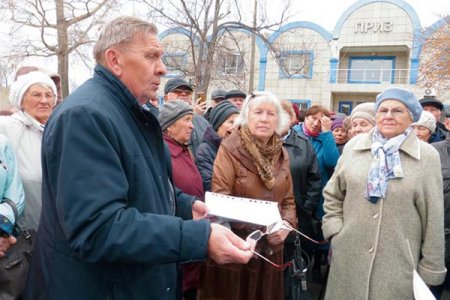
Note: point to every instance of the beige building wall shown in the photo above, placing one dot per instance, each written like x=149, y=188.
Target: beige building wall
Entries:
x=315, y=89
x=396, y=26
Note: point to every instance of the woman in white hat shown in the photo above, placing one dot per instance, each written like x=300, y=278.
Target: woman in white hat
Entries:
x=34, y=96
x=425, y=127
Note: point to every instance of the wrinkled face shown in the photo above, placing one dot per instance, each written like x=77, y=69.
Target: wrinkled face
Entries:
x=393, y=118
x=422, y=133
x=360, y=125
x=139, y=66
x=180, y=93
x=313, y=123
x=38, y=102
x=262, y=121
x=225, y=129
x=340, y=136
x=237, y=101
x=181, y=130
x=434, y=111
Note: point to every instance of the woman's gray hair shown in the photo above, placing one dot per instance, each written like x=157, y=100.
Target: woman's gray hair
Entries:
x=120, y=31
x=258, y=98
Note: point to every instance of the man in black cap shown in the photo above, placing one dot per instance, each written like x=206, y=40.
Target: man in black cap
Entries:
x=179, y=89
x=236, y=97
x=435, y=107
x=217, y=96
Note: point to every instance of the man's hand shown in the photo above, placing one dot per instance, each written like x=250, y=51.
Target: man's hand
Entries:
x=278, y=236
x=199, y=107
x=225, y=247
x=199, y=210
x=5, y=243
x=326, y=123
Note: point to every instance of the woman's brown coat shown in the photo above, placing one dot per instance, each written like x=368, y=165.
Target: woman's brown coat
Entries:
x=235, y=174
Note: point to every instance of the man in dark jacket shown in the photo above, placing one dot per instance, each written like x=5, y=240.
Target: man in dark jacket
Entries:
x=443, y=148
x=109, y=226
x=435, y=107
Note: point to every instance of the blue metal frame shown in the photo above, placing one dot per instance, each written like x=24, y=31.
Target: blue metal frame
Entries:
x=301, y=101
x=176, y=54
x=352, y=58
x=342, y=103
x=283, y=75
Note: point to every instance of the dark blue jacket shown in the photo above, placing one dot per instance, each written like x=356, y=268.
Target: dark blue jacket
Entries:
x=439, y=134
x=205, y=156
x=108, y=228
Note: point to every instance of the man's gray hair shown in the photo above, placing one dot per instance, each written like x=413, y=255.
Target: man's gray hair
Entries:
x=120, y=31
x=258, y=98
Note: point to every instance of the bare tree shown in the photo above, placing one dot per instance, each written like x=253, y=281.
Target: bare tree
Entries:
x=44, y=28
x=211, y=28
x=435, y=61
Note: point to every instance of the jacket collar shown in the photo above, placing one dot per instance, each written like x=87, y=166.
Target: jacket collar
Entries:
x=176, y=149
x=28, y=121
x=211, y=137
x=410, y=146
x=102, y=73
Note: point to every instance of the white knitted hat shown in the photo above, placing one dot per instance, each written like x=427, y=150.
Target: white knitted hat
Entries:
x=426, y=120
x=23, y=82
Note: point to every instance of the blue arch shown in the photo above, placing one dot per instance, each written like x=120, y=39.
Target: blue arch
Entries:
x=302, y=24
x=430, y=30
x=259, y=42
x=177, y=30
x=264, y=49
x=400, y=3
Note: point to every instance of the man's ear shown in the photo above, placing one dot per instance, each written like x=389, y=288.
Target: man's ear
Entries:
x=113, y=61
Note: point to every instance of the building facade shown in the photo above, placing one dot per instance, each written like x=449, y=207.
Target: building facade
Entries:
x=375, y=44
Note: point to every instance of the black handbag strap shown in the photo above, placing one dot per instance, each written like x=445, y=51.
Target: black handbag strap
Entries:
x=14, y=208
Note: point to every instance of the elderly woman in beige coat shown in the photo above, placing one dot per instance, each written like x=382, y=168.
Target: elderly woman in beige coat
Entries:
x=384, y=208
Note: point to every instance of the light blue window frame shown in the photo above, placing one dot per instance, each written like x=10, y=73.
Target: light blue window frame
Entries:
x=354, y=58
x=283, y=75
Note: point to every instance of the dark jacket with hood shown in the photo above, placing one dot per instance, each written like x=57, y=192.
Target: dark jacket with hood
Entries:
x=206, y=154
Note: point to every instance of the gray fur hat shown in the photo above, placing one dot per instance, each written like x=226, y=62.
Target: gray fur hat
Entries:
x=173, y=110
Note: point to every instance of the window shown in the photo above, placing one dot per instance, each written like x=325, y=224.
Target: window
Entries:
x=345, y=107
x=175, y=63
x=230, y=64
x=296, y=64
x=371, y=69
x=301, y=104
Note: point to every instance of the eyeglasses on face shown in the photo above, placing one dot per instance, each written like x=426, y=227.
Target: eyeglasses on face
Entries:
x=395, y=112
x=181, y=91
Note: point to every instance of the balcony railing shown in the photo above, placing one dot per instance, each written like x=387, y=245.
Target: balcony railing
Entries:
x=370, y=76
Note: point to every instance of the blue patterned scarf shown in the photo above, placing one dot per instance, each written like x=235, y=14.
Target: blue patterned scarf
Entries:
x=386, y=163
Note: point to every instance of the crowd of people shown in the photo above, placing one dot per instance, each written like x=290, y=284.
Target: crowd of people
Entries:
x=114, y=183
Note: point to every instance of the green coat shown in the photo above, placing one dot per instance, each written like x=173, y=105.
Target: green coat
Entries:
x=375, y=247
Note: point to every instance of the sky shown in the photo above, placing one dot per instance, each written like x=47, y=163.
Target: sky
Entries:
x=325, y=13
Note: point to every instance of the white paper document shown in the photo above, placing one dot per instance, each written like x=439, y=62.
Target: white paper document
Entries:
x=421, y=290
x=246, y=210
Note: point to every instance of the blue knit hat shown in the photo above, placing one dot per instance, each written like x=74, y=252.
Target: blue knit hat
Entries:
x=404, y=96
